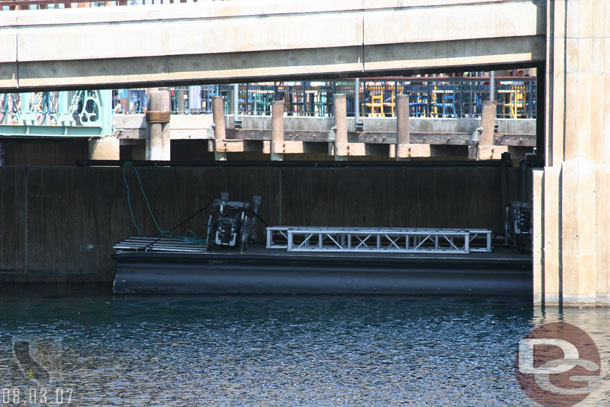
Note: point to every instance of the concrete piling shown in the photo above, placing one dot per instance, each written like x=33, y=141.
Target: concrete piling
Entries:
x=220, y=136
x=488, y=121
x=158, y=116
x=403, y=131
x=340, y=113
x=277, y=130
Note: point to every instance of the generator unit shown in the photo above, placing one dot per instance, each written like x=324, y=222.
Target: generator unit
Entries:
x=232, y=223
x=518, y=226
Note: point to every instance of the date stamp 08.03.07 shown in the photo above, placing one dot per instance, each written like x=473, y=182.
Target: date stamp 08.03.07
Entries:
x=34, y=374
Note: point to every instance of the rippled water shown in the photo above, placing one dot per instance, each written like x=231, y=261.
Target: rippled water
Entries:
x=283, y=351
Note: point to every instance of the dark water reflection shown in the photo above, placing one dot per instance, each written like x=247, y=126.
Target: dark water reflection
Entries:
x=323, y=351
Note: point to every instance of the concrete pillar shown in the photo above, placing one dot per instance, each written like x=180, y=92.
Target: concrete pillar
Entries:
x=603, y=235
x=574, y=226
x=578, y=227
x=488, y=122
x=104, y=148
x=403, y=132
x=340, y=113
x=218, y=115
x=277, y=130
x=551, y=235
x=157, y=116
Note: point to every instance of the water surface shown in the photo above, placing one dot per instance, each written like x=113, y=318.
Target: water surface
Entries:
x=282, y=351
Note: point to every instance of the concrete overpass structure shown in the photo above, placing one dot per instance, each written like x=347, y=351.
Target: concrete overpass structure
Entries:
x=248, y=41
x=238, y=41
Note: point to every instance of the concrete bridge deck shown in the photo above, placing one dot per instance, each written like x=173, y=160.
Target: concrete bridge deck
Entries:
x=244, y=41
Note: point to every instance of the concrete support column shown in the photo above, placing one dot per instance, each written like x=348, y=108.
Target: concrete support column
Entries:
x=340, y=113
x=277, y=130
x=157, y=116
x=218, y=115
x=403, y=132
x=571, y=232
x=488, y=122
x=105, y=148
x=603, y=234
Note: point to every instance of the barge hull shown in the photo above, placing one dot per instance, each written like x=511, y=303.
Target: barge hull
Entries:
x=244, y=274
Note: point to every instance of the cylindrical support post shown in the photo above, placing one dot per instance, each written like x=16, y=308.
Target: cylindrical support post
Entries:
x=488, y=122
x=157, y=116
x=218, y=115
x=492, y=85
x=277, y=130
x=403, y=132
x=340, y=113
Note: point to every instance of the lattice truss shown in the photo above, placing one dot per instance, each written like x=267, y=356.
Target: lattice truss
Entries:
x=386, y=240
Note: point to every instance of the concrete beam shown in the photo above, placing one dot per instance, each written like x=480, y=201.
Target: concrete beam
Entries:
x=514, y=132
x=229, y=41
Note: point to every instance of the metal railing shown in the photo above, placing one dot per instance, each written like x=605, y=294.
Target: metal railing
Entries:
x=428, y=97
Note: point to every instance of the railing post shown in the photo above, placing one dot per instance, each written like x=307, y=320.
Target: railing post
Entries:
x=180, y=100
x=492, y=86
x=357, y=100
x=236, y=121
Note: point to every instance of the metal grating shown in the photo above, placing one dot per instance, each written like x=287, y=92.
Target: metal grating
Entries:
x=160, y=244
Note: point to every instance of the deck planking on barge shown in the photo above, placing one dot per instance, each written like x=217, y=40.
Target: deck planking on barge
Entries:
x=267, y=271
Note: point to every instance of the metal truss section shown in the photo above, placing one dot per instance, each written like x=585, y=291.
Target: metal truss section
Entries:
x=381, y=240
x=480, y=240
x=83, y=113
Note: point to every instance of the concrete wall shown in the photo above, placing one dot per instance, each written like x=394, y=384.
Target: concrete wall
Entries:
x=59, y=223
